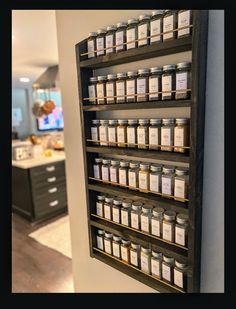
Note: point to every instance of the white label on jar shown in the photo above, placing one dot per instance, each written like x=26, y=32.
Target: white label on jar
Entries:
x=178, y=278
x=165, y=136
x=181, y=81
x=166, y=185
x=166, y=85
x=96, y=172
x=167, y=231
x=168, y=25
x=183, y=21
x=155, y=28
x=99, y=209
x=100, y=243
x=134, y=221
x=179, y=188
x=153, y=136
x=100, y=46
x=107, y=212
x=116, y=250
x=130, y=36
x=131, y=135
x=90, y=46
x=107, y=244
x=141, y=85
x=92, y=93
x=144, y=263
x=130, y=88
x=105, y=173
x=110, y=92
x=143, y=181
x=180, y=235
x=100, y=92
x=124, y=217
x=134, y=258
x=103, y=134
x=94, y=133
x=119, y=40
x=120, y=90
x=132, y=179
x=179, y=137
x=154, y=183
x=141, y=136
x=156, y=228
x=113, y=174
x=155, y=267
x=144, y=223
x=124, y=254
x=122, y=177
x=109, y=43
x=142, y=33
x=153, y=87
x=115, y=215
x=121, y=135
x=112, y=134
x=166, y=272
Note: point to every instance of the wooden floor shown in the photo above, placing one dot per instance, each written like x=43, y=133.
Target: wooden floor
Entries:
x=36, y=268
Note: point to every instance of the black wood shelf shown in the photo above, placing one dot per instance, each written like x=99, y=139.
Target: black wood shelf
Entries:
x=145, y=52
x=139, y=153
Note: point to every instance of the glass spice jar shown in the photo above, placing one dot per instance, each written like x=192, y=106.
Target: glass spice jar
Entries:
x=183, y=80
x=122, y=133
x=167, y=181
x=100, y=239
x=111, y=88
x=110, y=39
x=181, y=135
x=131, y=86
x=168, y=269
x=116, y=245
x=106, y=170
x=181, y=230
x=145, y=217
x=92, y=90
x=103, y=132
x=135, y=254
x=155, y=84
x=143, y=177
x=133, y=175
x=100, y=205
x=132, y=133
x=155, y=178
x=125, y=250
x=116, y=209
x=184, y=19
x=108, y=242
x=123, y=173
x=169, y=24
x=97, y=168
x=180, y=275
x=142, y=85
x=121, y=88
x=125, y=212
x=155, y=134
x=167, y=134
x=156, y=26
x=143, y=30
x=95, y=131
x=121, y=36
x=132, y=34
x=168, y=226
x=100, y=42
x=156, y=221
x=114, y=171
x=112, y=133
x=101, y=90
x=91, y=45
x=146, y=260
x=108, y=207
x=142, y=134
x=181, y=184
x=135, y=214
x=168, y=82
x=156, y=261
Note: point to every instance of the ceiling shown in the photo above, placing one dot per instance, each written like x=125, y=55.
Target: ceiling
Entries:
x=34, y=44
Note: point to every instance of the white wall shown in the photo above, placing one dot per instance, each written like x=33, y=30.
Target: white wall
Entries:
x=73, y=26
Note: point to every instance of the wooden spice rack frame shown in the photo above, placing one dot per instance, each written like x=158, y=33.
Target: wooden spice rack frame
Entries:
x=197, y=43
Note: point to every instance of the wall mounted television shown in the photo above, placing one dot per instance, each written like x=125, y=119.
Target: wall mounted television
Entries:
x=54, y=121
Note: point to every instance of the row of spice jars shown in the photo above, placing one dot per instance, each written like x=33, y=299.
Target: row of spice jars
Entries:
x=151, y=262
x=167, y=181
x=139, y=215
x=166, y=134
x=172, y=81
x=145, y=30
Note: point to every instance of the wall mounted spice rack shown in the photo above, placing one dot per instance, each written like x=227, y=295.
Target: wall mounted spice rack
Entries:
x=197, y=43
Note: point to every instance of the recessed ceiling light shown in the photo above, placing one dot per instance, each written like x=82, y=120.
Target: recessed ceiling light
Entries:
x=24, y=79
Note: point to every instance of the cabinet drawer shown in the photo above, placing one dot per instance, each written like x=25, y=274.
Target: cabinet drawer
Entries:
x=47, y=169
x=46, y=179
x=50, y=191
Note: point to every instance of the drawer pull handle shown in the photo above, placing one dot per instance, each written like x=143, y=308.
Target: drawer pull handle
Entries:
x=52, y=179
x=53, y=190
x=54, y=203
x=50, y=168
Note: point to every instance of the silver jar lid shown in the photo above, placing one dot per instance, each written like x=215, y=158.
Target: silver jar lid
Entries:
x=108, y=235
x=111, y=27
x=144, y=17
x=101, y=197
x=115, y=162
x=122, y=121
x=102, y=78
x=168, y=169
x=169, y=215
x=158, y=12
x=106, y=161
x=125, y=241
x=104, y=121
x=155, y=168
x=92, y=34
x=168, y=259
x=156, y=70
x=101, y=31
x=132, y=121
x=113, y=122
x=98, y=160
x=169, y=67
x=147, y=208
x=117, y=238
x=166, y=11
x=137, y=205
x=132, y=73
x=135, y=246
x=121, y=75
x=156, y=254
x=124, y=163
x=182, y=120
x=101, y=232
x=111, y=76
x=132, y=21
x=93, y=79
x=183, y=65
x=121, y=24
x=158, y=211
x=180, y=265
x=143, y=71
x=155, y=121
x=127, y=203
x=134, y=164
x=181, y=172
x=182, y=218
x=144, y=166
x=145, y=250
x=143, y=121
x=166, y=121
x=95, y=121
x=117, y=201
x=108, y=199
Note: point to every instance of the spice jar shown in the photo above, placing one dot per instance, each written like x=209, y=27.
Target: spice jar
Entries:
x=97, y=168
x=146, y=260
x=143, y=30
x=167, y=134
x=100, y=42
x=108, y=242
x=132, y=133
x=121, y=36
x=168, y=225
x=108, y=207
x=112, y=132
x=92, y=90
x=135, y=254
x=142, y=85
x=155, y=134
x=156, y=260
x=114, y=171
x=103, y=132
x=116, y=208
x=181, y=135
x=156, y=221
x=133, y=174
x=111, y=88
x=101, y=90
x=146, y=215
x=181, y=183
x=91, y=44
x=100, y=205
x=180, y=275
x=106, y=170
x=167, y=181
x=142, y=134
x=95, y=131
x=155, y=178
x=125, y=250
x=168, y=82
x=181, y=230
x=116, y=243
x=131, y=86
x=143, y=178
x=125, y=212
x=183, y=80
x=168, y=269
x=121, y=88
x=122, y=132
x=184, y=20
x=156, y=26
x=131, y=33
x=155, y=84
x=100, y=239
x=123, y=173
x=135, y=215
x=169, y=24
x=110, y=39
